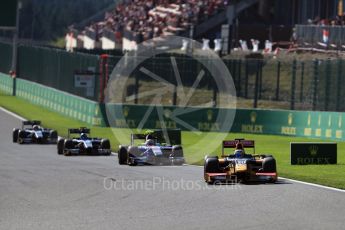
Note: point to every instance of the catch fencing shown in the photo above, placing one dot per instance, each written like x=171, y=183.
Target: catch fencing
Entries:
x=292, y=84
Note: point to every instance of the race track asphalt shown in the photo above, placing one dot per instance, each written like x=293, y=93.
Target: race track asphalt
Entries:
x=42, y=190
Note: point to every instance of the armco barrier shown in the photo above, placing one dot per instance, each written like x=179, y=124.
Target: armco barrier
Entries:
x=323, y=125
x=6, y=83
x=64, y=103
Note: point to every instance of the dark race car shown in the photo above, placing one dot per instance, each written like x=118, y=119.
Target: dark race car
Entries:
x=240, y=166
x=82, y=144
x=160, y=148
x=32, y=132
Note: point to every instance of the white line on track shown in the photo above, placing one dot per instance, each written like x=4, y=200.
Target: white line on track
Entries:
x=296, y=181
x=314, y=185
x=12, y=114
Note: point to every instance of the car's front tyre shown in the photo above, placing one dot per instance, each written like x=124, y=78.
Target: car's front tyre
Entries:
x=123, y=155
x=15, y=135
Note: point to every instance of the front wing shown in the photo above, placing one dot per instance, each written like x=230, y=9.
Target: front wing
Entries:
x=92, y=152
x=30, y=140
x=133, y=160
x=234, y=178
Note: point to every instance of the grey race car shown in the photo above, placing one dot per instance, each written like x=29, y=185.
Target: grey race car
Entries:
x=153, y=152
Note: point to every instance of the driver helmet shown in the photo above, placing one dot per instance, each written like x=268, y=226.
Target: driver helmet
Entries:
x=149, y=142
x=239, y=151
x=83, y=136
x=36, y=127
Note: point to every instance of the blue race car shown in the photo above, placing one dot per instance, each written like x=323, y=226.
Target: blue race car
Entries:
x=32, y=132
x=83, y=145
x=153, y=152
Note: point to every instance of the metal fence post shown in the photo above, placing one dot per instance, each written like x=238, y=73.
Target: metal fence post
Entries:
x=338, y=84
x=260, y=77
x=101, y=81
x=239, y=77
x=175, y=95
x=246, y=80
x=302, y=82
x=293, y=85
x=315, y=83
x=256, y=85
x=234, y=72
x=215, y=96
x=15, y=49
x=328, y=82
x=278, y=81
x=136, y=89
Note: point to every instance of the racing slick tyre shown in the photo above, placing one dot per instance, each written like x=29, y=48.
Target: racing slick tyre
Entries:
x=53, y=135
x=123, y=155
x=21, y=136
x=269, y=165
x=15, y=135
x=211, y=165
x=105, y=144
x=67, y=146
x=60, y=146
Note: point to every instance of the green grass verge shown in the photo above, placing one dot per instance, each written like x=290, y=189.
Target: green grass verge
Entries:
x=279, y=146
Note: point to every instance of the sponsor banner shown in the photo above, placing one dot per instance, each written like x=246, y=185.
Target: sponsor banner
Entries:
x=323, y=125
x=313, y=153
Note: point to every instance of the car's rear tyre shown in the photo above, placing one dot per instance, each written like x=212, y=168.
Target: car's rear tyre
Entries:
x=15, y=135
x=123, y=155
x=269, y=165
x=53, y=135
x=60, y=146
x=211, y=165
x=105, y=144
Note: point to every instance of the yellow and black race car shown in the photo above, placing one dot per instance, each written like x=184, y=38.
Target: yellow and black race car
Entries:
x=240, y=166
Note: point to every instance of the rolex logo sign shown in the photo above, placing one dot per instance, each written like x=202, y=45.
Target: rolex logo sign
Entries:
x=253, y=117
x=313, y=153
x=290, y=118
x=313, y=150
x=126, y=111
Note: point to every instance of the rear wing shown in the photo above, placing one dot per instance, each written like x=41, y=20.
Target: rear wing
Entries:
x=170, y=136
x=233, y=143
x=138, y=136
x=79, y=131
x=31, y=123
